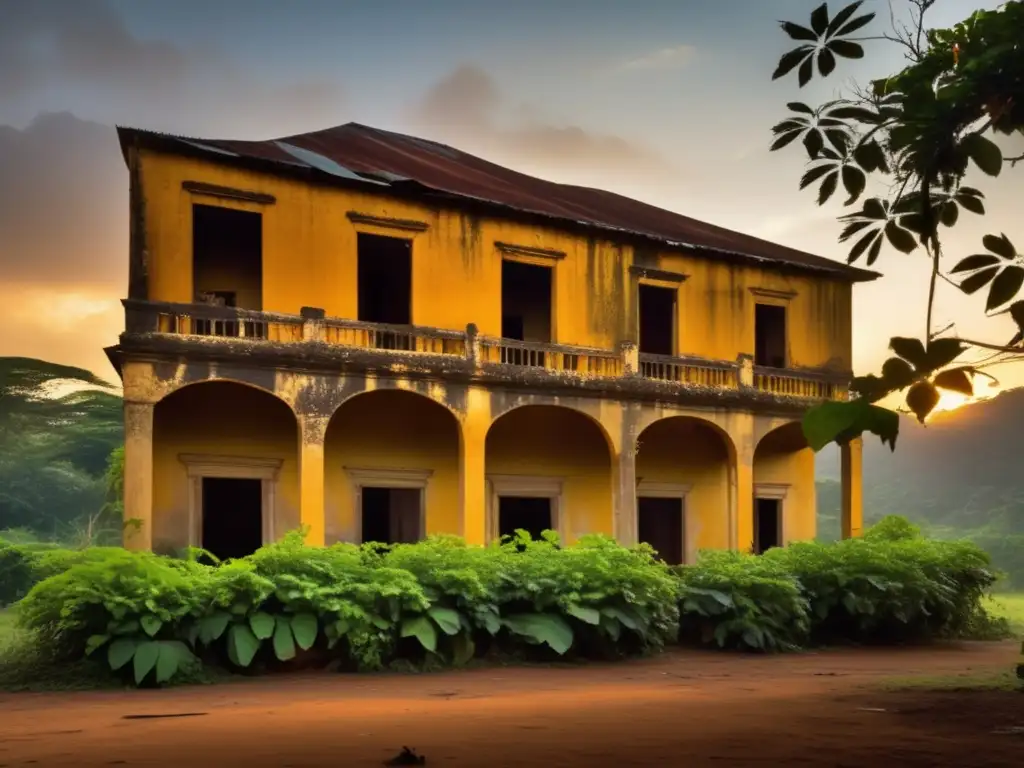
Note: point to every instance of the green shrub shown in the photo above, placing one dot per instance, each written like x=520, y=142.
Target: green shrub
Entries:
x=741, y=601
x=893, y=528
x=16, y=573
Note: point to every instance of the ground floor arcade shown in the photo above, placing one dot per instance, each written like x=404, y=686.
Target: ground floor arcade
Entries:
x=230, y=465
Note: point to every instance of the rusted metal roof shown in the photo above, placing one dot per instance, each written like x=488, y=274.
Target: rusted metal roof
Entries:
x=354, y=153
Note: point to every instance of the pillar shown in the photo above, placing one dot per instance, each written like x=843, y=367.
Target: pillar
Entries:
x=624, y=509
x=852, y=463
x=312, y=430
x=741, y=501
x=138, y=475
x=473, y=477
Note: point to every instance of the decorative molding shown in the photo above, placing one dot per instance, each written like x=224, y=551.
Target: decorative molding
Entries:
x=530, y=251
x=389, y=478
x=199, y=466
x=775, y=491
x=524, y=486
x=772, y=293
x=657, y=274
x=662, y=490
x=228, y=193
x=406, y=225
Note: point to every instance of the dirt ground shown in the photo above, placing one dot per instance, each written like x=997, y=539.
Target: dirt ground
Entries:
x=680, y=709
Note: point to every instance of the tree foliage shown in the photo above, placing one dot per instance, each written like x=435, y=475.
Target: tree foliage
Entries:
x=918, y=134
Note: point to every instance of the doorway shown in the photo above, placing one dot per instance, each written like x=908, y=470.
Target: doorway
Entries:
x=232, y=516
x=525, y=310
x=391, y=515
x=767, y=524
x=531, y=513
x=769, y=336
x=657, y=313
x=660, y=524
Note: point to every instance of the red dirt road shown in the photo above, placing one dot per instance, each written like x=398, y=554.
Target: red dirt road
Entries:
x=681, y=709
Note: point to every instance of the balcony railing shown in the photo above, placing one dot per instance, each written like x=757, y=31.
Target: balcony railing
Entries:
x=483, y=352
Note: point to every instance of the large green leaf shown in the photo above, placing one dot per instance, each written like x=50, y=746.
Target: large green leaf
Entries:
x=146, y=655
x=173, y=654
x=262, y=625
x=150, y=624
x=463, y=648
x=546, y=628
x=447, y=619
x=422, y=629
x=305, y=628
x=828, y=422
x=242, y=645
x=212, y=627
x=284, y=640
x=121, y=651
x=94, y=643
x=584, y=613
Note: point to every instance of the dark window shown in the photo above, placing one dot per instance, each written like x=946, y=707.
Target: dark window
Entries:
x=532, y=514
x=232, y=516
x=660, y=524
x=391, y=515
x=525, y=302
x=767, y=524
x=227, y=257
x=385, y=279
x=770, y=336
x=657, y=312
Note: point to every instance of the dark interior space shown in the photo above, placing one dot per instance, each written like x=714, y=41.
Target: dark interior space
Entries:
x=385, y=279
x=766, y=524
x=391, y=515
x=532, y=514
x=660, y=524
x=227, y=267
x=525, y=302
x=232, y=516
x=770, y=336
x=657, y=312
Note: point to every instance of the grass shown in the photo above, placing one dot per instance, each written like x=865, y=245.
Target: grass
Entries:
x=1009, y=605
x=989, y=680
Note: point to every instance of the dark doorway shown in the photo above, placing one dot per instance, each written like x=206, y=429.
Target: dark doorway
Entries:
x=767, y=524
x=385, y=279
x=770, y=336
x=525, y=302
x=657, y=312
x=532, y=514
x=660, y=524
x=227, y=257
x=391, y=515
x=232, y=516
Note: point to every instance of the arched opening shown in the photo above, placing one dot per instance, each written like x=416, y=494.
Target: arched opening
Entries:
x=682, y=471
x=225, y=469
x=548, y=467
x=391, y=463
x=784, y=491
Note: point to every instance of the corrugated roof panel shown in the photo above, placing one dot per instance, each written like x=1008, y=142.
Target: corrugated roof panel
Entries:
x=321, y=163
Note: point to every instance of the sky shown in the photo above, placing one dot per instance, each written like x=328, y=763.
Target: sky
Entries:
x=666, y=101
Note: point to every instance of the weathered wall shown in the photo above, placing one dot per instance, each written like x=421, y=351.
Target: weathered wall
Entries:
x=396, y=430
x=221, y=419
x=309, y=257
x=782, y=458
x=685, y=451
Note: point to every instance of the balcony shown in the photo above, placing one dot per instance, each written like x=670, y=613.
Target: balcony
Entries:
x=310, y=336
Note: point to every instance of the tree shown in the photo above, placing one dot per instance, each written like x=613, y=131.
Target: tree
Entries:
x=918, y=133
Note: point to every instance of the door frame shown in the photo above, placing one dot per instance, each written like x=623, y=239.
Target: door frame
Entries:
x=199, y=466
x=368, y=477
x=655, y=490
x=528, y=487
x=773, y=492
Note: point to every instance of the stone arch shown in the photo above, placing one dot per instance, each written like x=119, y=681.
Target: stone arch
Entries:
x=432, y=391
x=537, y=452
x=391, y=453
x=220, y=444
x=684, y=465
x=785, y=497
x=173, y=388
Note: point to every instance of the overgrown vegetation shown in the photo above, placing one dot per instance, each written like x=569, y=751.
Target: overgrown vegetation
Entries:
x=149, y=620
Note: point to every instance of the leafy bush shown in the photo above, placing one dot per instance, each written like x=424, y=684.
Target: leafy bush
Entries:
x=893, y=528
x=16, y=573
x=741, y=601
x=154, y=618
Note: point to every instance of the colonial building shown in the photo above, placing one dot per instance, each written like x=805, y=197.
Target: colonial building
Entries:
x=380, y=337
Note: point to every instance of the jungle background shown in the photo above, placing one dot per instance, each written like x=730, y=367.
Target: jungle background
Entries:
x=61, y=433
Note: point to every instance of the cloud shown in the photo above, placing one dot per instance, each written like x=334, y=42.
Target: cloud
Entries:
x=466, y=108
x=674, y=57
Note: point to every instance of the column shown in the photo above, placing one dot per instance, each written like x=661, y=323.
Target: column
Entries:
x=312, y=430
x=741, y=502
x=138, y=476
x=624, y=493
x=852, y=462
x=473, y=477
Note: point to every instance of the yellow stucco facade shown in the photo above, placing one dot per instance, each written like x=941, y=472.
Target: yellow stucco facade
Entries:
x=444, y=422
